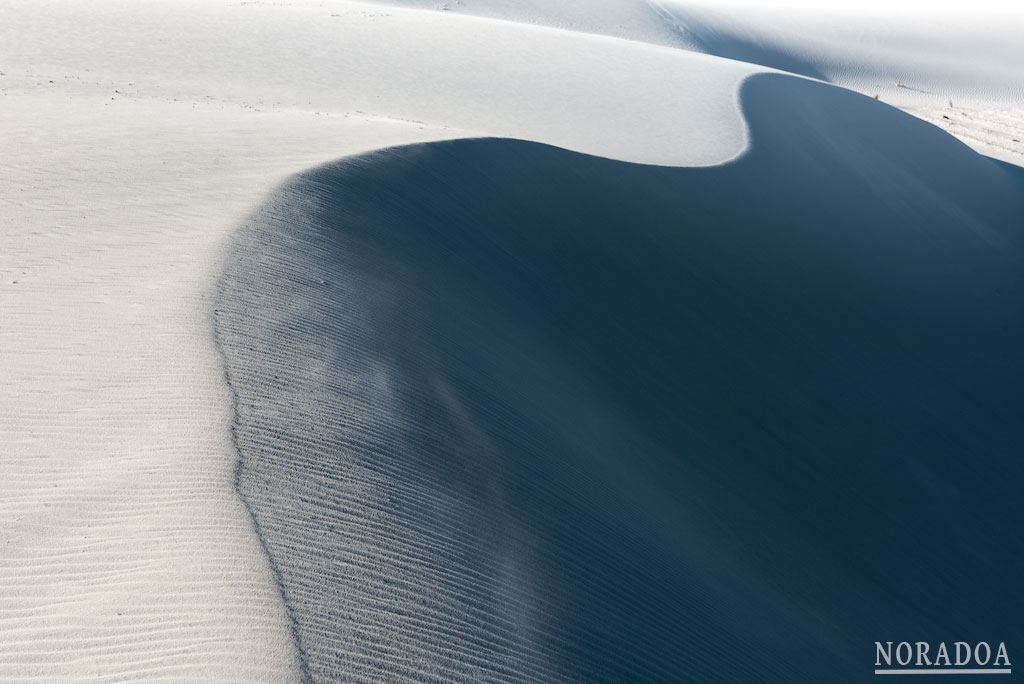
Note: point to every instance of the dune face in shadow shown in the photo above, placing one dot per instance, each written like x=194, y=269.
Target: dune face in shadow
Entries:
x=511, y=413
x=716, y=39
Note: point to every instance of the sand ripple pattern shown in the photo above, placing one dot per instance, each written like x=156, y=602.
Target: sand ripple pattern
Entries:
x=509, y=413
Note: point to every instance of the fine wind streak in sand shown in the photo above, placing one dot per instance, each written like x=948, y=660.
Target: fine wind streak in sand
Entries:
x=511, y=413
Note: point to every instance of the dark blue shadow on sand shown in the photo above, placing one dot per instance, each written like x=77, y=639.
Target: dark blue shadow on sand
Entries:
x=507, y=412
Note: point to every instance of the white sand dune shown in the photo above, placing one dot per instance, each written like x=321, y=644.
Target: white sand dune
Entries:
x=639, y=20
x=965, y=56
x=126, y=162
x=919, y=61
x=597, y=94
x=135, y=138
x=124, y=553
x=966, y=52
x=959, y=69
x=509, y=413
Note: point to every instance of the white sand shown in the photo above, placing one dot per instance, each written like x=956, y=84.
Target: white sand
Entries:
x=487, y=387
x=133, y=138
x=125, y=555
x=959, y=68
x=917, y=56
x=596, y=94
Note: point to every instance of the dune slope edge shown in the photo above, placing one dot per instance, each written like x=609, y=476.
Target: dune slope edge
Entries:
x=511, y=413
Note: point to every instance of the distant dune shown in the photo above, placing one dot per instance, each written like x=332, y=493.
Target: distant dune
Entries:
x=507, y=412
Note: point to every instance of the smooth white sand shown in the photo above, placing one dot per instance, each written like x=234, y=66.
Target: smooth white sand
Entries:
x=596, y=94
x=959, y=68
x=916, y=56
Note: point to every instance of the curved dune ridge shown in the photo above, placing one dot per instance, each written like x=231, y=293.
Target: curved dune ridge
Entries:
x=135, y=137
x=509, y=485
x=591, y=93
x=957, y=68
x=909, y=57
x=511, y=413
